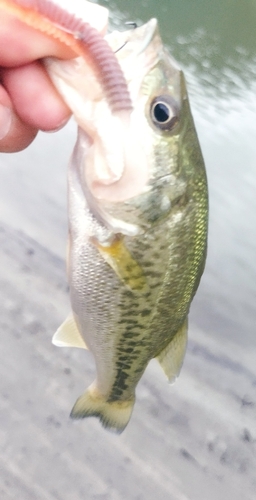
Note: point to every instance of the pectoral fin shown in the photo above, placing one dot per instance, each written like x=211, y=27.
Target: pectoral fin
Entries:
x=124, y=265
x=171, y=358
x=68, y=335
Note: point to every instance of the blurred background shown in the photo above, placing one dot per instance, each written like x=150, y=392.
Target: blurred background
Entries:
x=196, y=439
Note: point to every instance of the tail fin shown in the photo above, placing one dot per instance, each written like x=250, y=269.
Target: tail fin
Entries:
x=113, y=415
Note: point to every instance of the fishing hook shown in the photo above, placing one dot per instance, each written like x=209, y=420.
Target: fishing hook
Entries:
x=134, y=26
x=131, y=23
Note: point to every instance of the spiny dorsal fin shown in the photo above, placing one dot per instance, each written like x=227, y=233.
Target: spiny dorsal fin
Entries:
x=68, y=335
x=171, y=358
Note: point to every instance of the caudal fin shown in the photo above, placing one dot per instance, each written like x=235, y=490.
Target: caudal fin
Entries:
x=113, y=415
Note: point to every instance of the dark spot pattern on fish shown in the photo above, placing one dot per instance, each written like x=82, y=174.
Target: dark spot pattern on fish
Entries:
x=128, y=293
x=129, y=363
x=154, y=285
x=145, y=312
x=128, y=321
x=120, y=385
x=132, y=313
x=148, y=264
x=122, y=321
x=129, y=333
x=128, y=350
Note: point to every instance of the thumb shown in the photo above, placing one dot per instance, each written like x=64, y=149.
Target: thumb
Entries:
x=15, y=135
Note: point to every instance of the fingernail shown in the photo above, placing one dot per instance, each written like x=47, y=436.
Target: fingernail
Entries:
x=5, y=121
x=60, y=126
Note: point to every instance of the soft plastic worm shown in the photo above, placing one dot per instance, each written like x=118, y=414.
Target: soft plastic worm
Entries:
x=92, y=45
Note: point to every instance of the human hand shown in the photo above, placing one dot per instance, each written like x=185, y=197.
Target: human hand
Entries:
x=28, y=100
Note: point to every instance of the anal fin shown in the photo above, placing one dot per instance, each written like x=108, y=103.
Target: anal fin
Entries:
x=68, y=335
x=171, y=358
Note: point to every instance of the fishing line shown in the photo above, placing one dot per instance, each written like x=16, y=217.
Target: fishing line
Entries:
x=134, y=26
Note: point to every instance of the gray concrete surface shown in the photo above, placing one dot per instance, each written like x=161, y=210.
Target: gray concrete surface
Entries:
x=195, y=440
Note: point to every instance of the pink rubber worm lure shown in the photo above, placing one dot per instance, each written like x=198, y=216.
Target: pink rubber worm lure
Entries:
x=82, y=38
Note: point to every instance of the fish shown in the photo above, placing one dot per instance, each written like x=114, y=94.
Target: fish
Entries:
x=137, y=232
x=138, y=216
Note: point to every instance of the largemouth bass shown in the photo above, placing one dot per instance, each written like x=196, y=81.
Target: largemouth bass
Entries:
x=137, y=244
x=138, y=211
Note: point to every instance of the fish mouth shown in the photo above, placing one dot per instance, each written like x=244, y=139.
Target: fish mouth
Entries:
x=142, y=41
x=141, y=36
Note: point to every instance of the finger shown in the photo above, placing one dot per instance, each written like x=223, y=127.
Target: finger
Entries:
x=14, y=134
x=23, y=44
x=34, y=97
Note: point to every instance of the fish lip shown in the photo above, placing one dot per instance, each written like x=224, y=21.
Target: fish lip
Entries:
x=139, y=39
x=144, y=33
x=150, y=28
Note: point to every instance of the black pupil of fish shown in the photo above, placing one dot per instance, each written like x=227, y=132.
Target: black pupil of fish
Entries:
x=161, y=112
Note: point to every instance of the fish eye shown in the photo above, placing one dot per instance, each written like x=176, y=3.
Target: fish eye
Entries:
x=164, y=112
